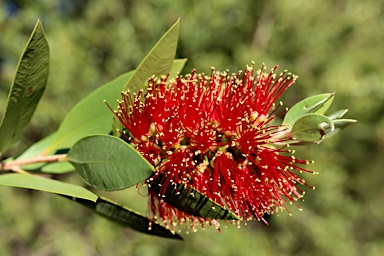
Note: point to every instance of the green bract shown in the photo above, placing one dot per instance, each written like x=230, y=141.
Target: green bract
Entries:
x=310, y=127
x=316, y=104
x=308, y=123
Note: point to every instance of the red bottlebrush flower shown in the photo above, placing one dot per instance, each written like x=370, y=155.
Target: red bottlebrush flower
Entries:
x=215, y=134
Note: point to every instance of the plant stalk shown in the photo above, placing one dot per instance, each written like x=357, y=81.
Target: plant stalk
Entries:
x=15, y=165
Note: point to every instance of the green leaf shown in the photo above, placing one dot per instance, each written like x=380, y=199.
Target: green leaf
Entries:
x=38, y=147
x=158, y=61
x=108, y=163
x=51, y=168
x=125, y=217
x=310, y=127
x=316, y=104
x=27, y=88
x=47, y=185
x=34, y=150
x=338, y=114
x=177, y=67
x=57, y=168
x=191, y=201
x=89, y=116
x=339, y=124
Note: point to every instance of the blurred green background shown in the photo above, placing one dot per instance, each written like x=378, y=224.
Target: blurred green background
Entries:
x=334, y=46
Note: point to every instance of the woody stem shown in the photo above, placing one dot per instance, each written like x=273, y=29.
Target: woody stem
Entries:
x=16, y=164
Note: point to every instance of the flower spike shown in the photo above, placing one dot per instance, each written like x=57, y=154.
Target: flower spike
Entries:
x=215, y=134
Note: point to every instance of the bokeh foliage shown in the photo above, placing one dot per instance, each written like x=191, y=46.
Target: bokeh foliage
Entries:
x=334, y=46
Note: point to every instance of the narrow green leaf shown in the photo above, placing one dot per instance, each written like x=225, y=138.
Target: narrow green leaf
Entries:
x=310, y=127
x=339, y=124
x=27, y=88
x=49, y=168
x=47, y=185
x=34, y=150
x=37, y=149
x=191, y=201
x=338, y=114
x=89, y=116
x=57, y=168
x=177, y=67
x=318, y=104
x=158, y=61
x=125, y=217
x=108, y=163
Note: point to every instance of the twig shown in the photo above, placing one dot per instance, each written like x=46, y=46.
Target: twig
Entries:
x=16, y=164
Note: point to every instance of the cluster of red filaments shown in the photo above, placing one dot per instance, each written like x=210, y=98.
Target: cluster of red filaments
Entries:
x=215, y=134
